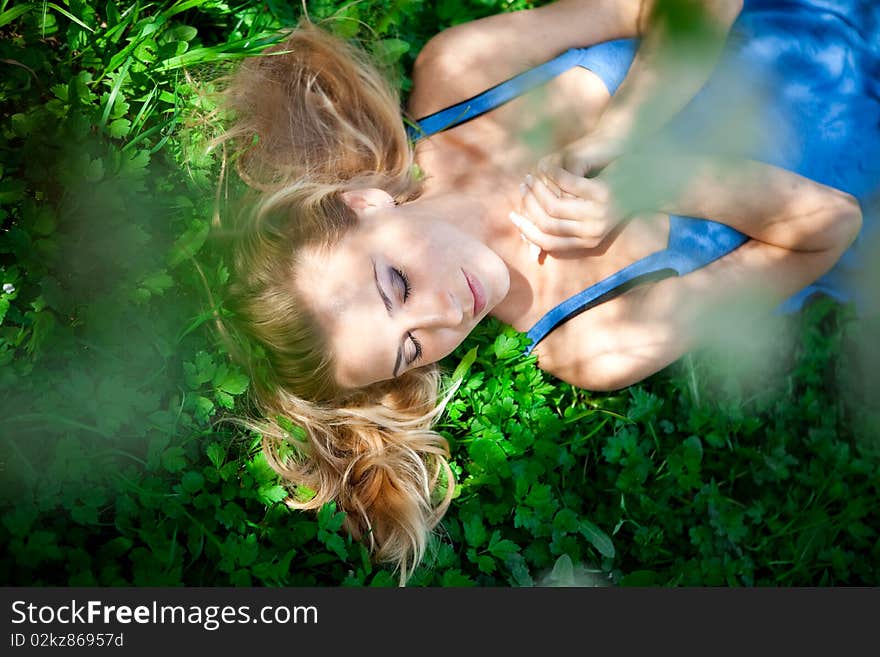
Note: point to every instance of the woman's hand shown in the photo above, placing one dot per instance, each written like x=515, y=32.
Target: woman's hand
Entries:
x=580, y=216
x=586, y=156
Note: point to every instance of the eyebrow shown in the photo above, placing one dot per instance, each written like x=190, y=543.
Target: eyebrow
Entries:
x=387, y=303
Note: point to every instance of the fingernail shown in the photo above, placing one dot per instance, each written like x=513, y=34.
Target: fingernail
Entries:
x=523, y=237
x=529, y=180
x=515, y=218
x=535, y=250
x=523, y=189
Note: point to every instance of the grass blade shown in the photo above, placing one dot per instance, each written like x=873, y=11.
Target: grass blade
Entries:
x=114, y=91
x=10, y=15
x=182, y=6
x=144, y=111
x=70, y=16
x=234, y=50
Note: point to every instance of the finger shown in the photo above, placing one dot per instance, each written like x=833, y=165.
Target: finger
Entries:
x=586, y=188
x=553, y=187
x=554, y=160
x=549, y=243
x=556, y=205
x=554, y=191
x=587, y=231
x=570, y=217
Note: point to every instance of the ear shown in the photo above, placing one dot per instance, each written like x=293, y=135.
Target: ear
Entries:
x=364, y=201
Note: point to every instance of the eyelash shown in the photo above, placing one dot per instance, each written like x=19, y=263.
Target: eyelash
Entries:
x=418, y=346
x=407, y=288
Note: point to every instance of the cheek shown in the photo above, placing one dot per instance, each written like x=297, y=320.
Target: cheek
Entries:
x=426, y=252
x=453, y=246
x=408, y=245
x=444, y=343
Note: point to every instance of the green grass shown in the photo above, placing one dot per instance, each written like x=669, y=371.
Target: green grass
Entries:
x=752, y=467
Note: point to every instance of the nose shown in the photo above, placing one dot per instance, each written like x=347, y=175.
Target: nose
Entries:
x=439, y=310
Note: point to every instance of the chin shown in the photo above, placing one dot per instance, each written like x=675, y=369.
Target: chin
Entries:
x=500, y=289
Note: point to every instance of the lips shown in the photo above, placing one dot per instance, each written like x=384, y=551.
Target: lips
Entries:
x=477, y=291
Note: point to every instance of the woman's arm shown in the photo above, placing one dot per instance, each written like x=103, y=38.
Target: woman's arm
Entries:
x=799, y=230
x=469, y=58
x=681, y=41
x=768, y=203
x=765, y=202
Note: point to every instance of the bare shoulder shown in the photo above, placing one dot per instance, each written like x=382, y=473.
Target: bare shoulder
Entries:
x=466, y=59
x=610, y=346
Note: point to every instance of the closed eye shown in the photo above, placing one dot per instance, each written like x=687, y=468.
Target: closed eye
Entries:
x=403, y=282
x=418, y=349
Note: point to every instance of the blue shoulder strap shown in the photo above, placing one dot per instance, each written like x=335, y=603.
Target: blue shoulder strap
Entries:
x=693, y=243
x=609, y=60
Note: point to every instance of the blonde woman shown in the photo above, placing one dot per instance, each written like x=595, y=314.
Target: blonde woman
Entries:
x=356, y=276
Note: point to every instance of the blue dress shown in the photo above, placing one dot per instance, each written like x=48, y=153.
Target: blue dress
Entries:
x=805, y=73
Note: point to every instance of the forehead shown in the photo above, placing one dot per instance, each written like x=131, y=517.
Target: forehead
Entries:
x=339, y=286
x=343, y=271
x=329, y=278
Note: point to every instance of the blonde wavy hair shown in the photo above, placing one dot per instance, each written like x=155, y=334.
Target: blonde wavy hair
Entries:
x=311, y=118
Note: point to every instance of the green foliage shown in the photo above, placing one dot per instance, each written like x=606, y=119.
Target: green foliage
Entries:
x=118, y=468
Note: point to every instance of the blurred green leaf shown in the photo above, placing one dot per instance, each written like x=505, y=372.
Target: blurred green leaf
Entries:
x=597, y=538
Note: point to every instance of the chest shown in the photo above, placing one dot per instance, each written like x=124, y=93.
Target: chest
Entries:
x=510, y=139
x=489, y=157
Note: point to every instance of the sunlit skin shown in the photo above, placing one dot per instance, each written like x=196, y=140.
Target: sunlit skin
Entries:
x=376, y=330
x=394, y=293
x=457, y=226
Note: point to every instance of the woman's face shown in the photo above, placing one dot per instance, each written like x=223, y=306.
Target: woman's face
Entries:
x=401, y=290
